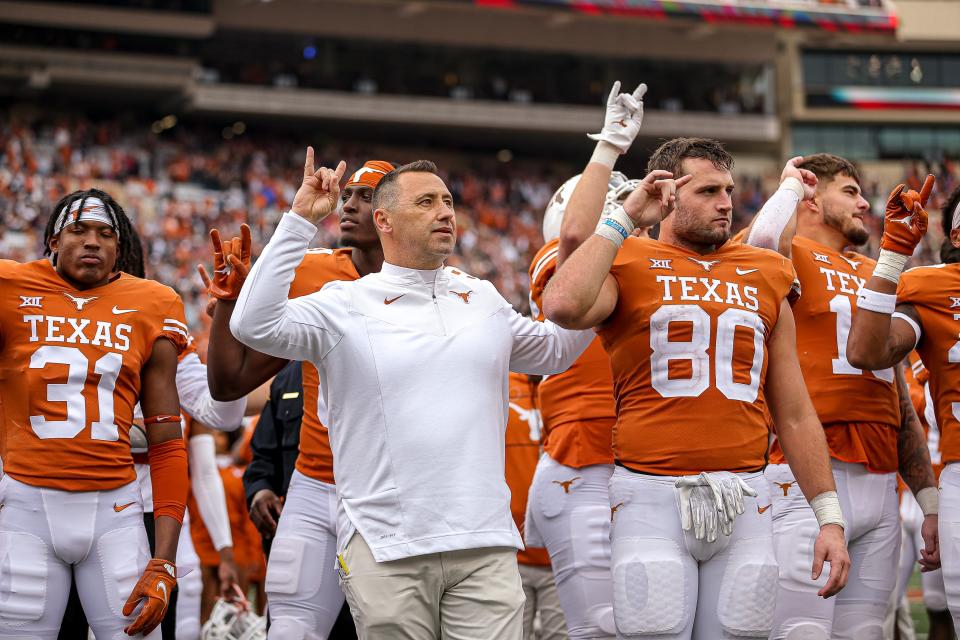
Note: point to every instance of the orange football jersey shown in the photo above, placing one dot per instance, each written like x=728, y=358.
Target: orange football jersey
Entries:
x=935, y=294
x=70, y=364
x=319, y=267
x=522, y=452
x=859, y=432
x=576, y=405
x=688, y=347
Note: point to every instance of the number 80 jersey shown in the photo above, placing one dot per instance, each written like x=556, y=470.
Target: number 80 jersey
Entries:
x=688, y=348
x=70, y=364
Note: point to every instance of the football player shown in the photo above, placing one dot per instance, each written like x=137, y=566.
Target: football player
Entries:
x=80, y=344
x=701, y=340
x=569, y=511
x=302, y=584
x=520, y=462
x=868, y=441
x=920, y=308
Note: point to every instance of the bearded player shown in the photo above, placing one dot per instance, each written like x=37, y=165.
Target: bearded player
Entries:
x=569, y=509
x=302, y=583
x=701, y=340
x=921, y=308
x=869, y=441
x=80, y=344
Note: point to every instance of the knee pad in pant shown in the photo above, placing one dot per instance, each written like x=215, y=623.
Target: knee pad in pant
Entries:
x=807, y=631
x=748, y=590
x=854, y=627
x=289, y=629
x=284, y=576
x=649, y=587
x=23, y=560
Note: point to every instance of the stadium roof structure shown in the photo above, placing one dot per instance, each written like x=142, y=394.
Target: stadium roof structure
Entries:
x=860, y=15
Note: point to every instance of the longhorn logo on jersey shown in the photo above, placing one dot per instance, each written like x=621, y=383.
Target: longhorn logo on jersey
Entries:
x=463, y=295
x=854, y=264
x=80, y=302
x=706, y=264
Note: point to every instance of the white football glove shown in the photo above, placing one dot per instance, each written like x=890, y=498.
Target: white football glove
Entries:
x=711, y=499
x=623, y=119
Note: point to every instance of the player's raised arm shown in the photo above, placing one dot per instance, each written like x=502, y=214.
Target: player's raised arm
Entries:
x=622, y=121
x=264, y=319
x=233, y=369
x=776, y=223
x=805, y=447
x=168, y=472
x=582, y=294
x=883, y=334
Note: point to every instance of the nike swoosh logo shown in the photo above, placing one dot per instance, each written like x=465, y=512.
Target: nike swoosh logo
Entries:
x=391, y=301
x=120, y=507
x=762, y=509
x=743, y=272
x=162, y=588
x=117, y=311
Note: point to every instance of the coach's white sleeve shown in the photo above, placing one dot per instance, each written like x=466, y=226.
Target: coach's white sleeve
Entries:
x=207, y=488
x=544, y=348
x=775, y=214
x=265, y=320
x=195, y=397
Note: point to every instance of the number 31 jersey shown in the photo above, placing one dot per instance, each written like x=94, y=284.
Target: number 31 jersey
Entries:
x=688, y=349
x=70, y=364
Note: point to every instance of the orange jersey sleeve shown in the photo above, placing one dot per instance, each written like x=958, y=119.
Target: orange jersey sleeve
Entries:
x=319, y=267
x=522, y=453
x=577, y=405
x=688, y=348
x=934, y=292
x=859, y=432
x=70, y=367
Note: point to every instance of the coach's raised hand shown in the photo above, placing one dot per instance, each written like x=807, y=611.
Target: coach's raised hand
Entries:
x=319, y=193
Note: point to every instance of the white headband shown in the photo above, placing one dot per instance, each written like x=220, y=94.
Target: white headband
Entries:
x=93, y=209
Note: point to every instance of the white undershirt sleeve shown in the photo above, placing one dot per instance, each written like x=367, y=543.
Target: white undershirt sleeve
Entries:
x=265, y=320
x=773, y=217
x=207, y=488
x=195, y=397
x=544, y=348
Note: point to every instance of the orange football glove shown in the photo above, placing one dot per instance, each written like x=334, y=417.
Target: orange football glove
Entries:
x=231, y=264
x=154, y=588
x=905, y=221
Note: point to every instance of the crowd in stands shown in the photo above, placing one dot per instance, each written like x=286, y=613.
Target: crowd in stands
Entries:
x=179, y=184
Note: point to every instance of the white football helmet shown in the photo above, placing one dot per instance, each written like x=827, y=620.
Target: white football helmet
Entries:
x=618, y=189
x=233, y=621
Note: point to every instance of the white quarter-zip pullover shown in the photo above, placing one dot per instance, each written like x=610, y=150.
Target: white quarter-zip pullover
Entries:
x=414, y=372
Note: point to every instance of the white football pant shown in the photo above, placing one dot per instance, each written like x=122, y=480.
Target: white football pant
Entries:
x=189, y=587
x=950, y=537
x=870, y=508
x=45, y=531
x=303, y=589
x=669, y=586
x=568, y=514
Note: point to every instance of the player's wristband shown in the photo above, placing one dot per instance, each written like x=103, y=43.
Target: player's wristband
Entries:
x=929, y=501
x=890, y=265
x=605, y=154
x=826, y=507
x=875, y=301
x=615, y=226
x=160, y=419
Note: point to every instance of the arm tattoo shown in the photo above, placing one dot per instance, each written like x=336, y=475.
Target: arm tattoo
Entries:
x=912, y=452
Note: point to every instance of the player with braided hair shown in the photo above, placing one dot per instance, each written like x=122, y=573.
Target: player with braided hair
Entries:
x=80, y=345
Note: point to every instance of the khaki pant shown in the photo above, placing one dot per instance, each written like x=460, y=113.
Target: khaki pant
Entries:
x=474, y=594
x=541, y=593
